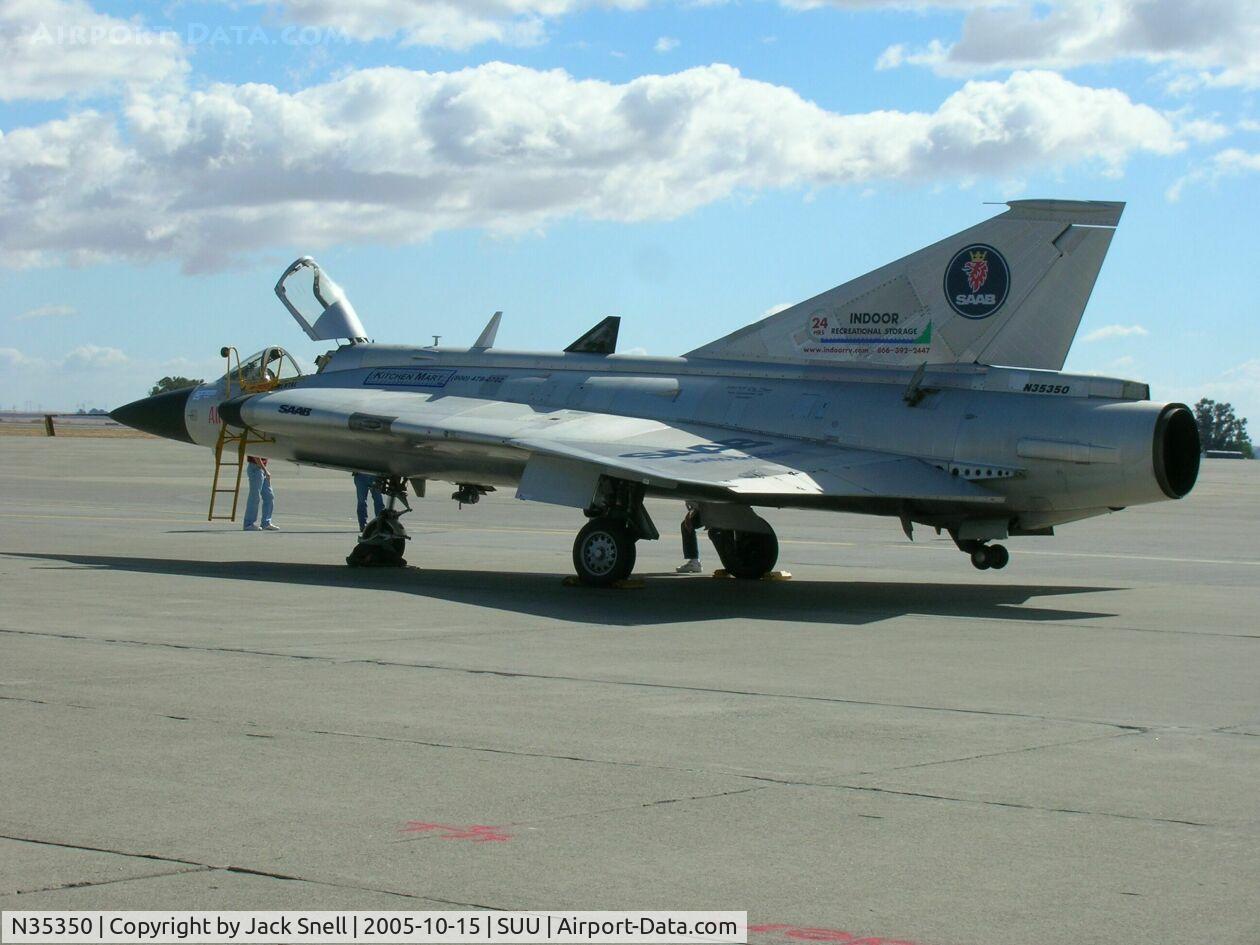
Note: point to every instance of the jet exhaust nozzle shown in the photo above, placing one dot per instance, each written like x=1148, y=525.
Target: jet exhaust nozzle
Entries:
x=1177, y=450
x=162, y=415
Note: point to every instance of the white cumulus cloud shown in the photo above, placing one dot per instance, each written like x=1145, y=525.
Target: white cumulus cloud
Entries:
x=1239, y=385
x=51, y=49
x=392, y=155
x=13, y=358
x=666, y=44
x=46, y=311
x=1232, y=162
x=1108, y=332
x=93, y=357
x=1206, y=42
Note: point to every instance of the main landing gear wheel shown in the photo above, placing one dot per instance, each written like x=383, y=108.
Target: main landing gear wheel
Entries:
x=990, y=556
x=746, y=555
x=603, y=552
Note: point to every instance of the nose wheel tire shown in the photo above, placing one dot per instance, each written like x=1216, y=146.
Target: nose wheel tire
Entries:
x=382, y=543
x=603, y=552
x=990, y=556
x=746, y=555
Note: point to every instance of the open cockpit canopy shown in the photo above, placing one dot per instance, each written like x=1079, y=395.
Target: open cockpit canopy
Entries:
x=324, y=312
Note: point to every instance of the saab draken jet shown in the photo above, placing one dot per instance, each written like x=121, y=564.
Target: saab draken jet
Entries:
x=929, y=390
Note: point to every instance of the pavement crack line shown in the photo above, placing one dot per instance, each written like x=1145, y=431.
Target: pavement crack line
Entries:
x=487, y=749
x=704, y=797
x=636, y=807
x=58, y=705
x=1017, y=806
x=162, y=644
x=1072, y=625
x=589, y=680
x=90, y=849
x=196, y=867
x=1008, y=751
x=110, y=882
x=574, y=815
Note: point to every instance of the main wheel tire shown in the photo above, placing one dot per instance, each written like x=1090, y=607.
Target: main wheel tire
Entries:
x=999, y=557
x=746, y=555
x=603, y=552
x=981, y=558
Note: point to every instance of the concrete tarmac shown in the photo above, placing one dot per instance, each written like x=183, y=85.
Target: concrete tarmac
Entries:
x=891, y=746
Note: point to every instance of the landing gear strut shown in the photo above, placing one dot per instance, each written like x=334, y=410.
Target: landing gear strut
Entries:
x=383, y=541
x=745, y=554
x=604, y=550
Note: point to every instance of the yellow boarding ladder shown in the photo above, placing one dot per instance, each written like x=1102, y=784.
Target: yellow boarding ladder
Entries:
x=234, y=444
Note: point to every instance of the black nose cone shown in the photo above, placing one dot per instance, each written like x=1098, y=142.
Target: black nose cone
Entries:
x=162, y=415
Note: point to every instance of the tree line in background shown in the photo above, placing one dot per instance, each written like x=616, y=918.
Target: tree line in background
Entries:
x=1221, y=429
x=174, y=383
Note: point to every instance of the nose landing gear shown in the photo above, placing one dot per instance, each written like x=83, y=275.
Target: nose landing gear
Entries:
x=383, y=541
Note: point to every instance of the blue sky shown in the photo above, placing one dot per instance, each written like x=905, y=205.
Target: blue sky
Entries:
x=687, y=165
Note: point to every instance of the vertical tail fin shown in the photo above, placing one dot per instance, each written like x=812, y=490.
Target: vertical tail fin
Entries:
x=1010, y=290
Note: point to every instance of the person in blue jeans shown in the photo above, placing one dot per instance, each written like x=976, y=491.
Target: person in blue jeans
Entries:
x=691, y=550
x=363, y=484
x=259, y=485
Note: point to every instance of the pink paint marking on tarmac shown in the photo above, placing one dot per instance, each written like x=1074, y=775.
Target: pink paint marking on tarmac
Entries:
x=477, y=833
x=798, y=933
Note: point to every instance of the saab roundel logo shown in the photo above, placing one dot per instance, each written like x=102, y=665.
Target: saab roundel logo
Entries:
x=976, y=281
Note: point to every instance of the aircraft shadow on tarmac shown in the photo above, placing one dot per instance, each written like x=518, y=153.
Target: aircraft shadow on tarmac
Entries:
x=663, y=599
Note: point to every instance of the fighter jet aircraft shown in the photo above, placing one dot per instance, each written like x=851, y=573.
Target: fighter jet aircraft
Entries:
x=929, y=390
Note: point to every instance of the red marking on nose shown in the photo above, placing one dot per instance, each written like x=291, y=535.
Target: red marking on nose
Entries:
x=478, y=833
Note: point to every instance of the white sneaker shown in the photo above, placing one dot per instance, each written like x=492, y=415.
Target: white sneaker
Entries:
x=271, y=528
x=691, y=566
x=251, y=528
